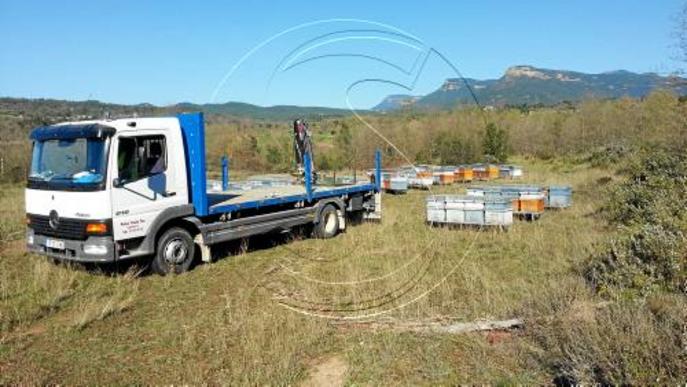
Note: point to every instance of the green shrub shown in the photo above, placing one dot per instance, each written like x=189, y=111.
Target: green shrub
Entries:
x=640, y=261
x=655, y=190
x=635, y=343
x=649, y=251
x=609, y=155
x=495, y=143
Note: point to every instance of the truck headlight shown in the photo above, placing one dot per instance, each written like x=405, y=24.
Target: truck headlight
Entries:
x=95, y=249
x=29, y=236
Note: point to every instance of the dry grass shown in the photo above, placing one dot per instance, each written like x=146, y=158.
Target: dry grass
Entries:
x=11, y=213
x=107, y=299
x=248, y=319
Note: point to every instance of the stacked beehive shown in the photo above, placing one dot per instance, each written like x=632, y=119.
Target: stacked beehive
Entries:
x=419, y=177
x=558, y=197
x=424, y=176
x=469, y=210
x=394, y=182
x=463, y=174
x=447, y=175
x=485, y=172
x=510, y=172
x=528, y=201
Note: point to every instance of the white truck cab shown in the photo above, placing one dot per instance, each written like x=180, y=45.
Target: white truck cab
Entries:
x=100, y=191
x=94, y=182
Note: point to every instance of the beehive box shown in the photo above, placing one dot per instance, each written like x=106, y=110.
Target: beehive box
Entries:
x=513, y=198
x=446, y=177
x=410, y=174
x=469, y=210
x=474, y=212
x=492, y=172
x=394, y=182
x=479, y=172
x=436, y=209
x=423, y=174
x=516, y=172
x=420, y=183
x=510, y=172
x=531, y=204
x=498, y=212
x=558, y=197
x=524, y=200
x=463, y=174
x=398, y=184
x=436, y=178
x=530, y=199
x=505, y=172
x=455, y=209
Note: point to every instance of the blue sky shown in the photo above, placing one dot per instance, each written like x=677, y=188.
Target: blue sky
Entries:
x=165, y=52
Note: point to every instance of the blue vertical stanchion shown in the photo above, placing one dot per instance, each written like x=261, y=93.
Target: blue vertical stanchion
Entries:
x=378, y=170
x=193, y=130
x=225, y=173
x=308, y=176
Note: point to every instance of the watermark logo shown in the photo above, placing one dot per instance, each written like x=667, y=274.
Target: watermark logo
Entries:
x=351, y=64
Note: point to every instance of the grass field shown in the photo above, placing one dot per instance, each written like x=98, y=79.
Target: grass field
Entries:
x=248, y=318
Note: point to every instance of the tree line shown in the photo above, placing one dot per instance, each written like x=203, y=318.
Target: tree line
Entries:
x=461, y=135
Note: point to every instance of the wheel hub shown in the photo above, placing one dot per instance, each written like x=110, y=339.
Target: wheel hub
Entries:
x=330, y=223
x=175, y=252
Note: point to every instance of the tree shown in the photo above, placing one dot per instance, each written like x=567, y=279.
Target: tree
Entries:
x=345, y=151
x=450, y=148
x=495, y=143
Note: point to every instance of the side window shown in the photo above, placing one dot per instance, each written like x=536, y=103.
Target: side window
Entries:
x=141, y=156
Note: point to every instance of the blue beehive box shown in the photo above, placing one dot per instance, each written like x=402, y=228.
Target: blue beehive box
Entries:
x=559, y=197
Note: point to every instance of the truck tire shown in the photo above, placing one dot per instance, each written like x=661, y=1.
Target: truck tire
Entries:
x=328, y=223
x=174, y=252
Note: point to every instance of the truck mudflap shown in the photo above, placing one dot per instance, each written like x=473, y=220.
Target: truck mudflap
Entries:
x=93, y=249
x=376, y=212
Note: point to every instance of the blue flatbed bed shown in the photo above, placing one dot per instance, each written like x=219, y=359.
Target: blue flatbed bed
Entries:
x=263, y=197
x=215, y=203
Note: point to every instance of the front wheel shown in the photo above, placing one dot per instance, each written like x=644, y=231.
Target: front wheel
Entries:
x=174, y=253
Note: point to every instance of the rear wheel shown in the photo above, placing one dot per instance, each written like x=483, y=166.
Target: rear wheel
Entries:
x=328, y=223
x=174, y=253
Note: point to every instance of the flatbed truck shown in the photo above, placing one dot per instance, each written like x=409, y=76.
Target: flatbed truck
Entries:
x=111, y=190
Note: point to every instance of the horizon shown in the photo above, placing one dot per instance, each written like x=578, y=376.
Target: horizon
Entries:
x=320, y=106
x=183, y=53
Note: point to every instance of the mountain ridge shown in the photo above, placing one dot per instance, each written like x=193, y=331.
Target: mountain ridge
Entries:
x=530, y=85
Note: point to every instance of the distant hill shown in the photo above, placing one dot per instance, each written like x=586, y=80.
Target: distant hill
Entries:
x=61, y=110
x=527, y=85
x=396, y=101
x=277, y=112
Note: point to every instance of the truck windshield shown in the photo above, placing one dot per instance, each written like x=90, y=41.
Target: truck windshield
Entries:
x=75, y=163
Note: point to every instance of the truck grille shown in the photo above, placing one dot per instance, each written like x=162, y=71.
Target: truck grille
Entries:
x=67, y=228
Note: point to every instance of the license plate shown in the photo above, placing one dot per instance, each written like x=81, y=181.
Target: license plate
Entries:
x=54, y=244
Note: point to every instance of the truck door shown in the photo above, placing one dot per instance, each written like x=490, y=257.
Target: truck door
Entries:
x=143, y=186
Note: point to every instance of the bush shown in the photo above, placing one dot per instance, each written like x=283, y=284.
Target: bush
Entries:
x=449, y=148
x=495, y=143
x=649, y=251
x=616, y=344
x=640, y=262
x=609, y=155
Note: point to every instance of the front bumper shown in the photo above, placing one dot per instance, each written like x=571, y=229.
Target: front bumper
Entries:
x=93, y=249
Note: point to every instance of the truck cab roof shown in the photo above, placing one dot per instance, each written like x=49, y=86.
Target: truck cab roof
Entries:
x=101, y=128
